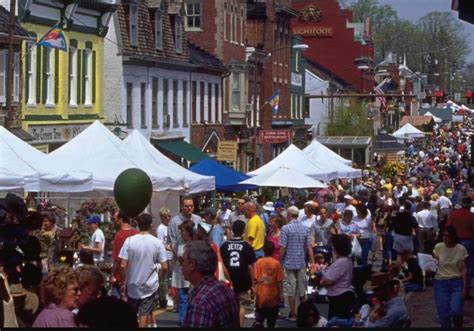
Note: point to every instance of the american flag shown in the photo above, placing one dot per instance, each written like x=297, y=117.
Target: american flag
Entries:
x=380, y=90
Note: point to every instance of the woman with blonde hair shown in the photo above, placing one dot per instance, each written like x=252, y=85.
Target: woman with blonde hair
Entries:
x=60, y=292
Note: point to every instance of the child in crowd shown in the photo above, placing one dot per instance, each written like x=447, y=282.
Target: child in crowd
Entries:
x=268, y=287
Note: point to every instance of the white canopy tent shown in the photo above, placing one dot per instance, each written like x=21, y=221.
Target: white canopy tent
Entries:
x=169, y=174
x=24, y=166
x=436, y=119
x=316, y=149
x=284, y=177
x=327, y=159
x=98, y=151
x=408, y=131
x=293, y=158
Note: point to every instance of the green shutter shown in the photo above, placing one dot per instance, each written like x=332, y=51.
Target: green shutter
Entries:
x=84, y=72
x=93, y=77
x=38, y=73
x=79, y=77
x=56, y=76
x=28, y=68
x=45, y=85
x=70, y=68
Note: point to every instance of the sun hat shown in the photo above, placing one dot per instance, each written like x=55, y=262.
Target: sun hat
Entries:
x=268, y=206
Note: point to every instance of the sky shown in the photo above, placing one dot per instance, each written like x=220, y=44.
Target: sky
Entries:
x=414, y=9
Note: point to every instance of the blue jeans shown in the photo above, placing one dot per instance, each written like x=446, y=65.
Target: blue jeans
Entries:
x=183, y=301
x=469, y=245
x=412, y=287
x=340, y=322
x=448, y=298
x=365, y=244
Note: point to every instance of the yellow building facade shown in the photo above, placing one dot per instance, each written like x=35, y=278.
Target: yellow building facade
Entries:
x=62, y=91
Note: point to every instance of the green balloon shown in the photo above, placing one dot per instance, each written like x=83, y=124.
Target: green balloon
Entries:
x=132, y=191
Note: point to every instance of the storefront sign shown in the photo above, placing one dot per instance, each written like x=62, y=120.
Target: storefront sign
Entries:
x=296, y=79
x=313, y=31
x=227, y=151
x=275, y=136
x=55, y=133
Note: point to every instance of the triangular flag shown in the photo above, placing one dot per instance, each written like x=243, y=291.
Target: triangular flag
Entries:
x=54, y=38
x=274, y=101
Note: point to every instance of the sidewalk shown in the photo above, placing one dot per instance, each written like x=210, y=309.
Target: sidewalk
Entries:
x=422, y=310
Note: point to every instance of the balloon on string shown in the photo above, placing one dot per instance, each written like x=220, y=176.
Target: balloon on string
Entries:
x=132, y=191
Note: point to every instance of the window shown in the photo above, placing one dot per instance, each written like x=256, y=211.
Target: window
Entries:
x=72, y=76
x=185, y=103
x=178, y=30
x=48, y=84
x=236, y=91
x=242, y=21
x=225, y=21
x=297, y=62
x=30, y=75
x=175, y=104
x=194, y=13
x=166, y=115
x=16, y=77
x=133, y=25
x=209, y=103
x=3, y=75
x=143, y=105
x=159, y=30
x=193, y=101
x=154, y=103
x=129, y=100
x=231, y=24
x=88, y=77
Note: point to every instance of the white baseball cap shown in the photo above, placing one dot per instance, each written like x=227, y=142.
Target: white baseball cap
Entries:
x=347, y=196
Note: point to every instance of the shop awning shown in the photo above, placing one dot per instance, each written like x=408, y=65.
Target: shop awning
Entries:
x=183, y=149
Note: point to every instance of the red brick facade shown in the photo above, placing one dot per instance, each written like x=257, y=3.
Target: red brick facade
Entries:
x=331, y=42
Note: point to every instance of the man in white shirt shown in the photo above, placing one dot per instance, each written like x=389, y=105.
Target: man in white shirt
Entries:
x=445, y=206
x=309, y=214
x=348, y=201
x=428, y=224
x=143, y=257
x=97, y=242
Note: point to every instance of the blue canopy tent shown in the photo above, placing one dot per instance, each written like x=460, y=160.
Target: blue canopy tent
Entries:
x=227, y=179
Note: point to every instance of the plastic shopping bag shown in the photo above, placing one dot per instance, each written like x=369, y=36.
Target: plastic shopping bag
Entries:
x=356, y=248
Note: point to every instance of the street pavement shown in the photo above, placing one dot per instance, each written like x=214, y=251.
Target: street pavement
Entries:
x=421, y=308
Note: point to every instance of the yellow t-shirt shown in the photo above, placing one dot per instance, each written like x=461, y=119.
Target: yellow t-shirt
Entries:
x=450, y=260
x=255, y=229
x=389, y=187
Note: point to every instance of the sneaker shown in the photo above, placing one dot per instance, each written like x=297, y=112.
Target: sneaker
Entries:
x=291, y=318
x=250, y=316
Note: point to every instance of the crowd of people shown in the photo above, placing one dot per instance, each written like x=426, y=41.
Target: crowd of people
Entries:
x=253, y=255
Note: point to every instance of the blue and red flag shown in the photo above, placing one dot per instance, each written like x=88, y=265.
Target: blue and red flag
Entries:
x=274, y=101
x=54, y=38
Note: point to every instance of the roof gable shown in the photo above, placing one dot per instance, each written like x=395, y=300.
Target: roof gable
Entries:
x=5, y=24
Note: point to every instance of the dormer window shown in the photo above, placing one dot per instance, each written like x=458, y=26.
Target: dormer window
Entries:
x=159, y=29
x=133, y=25
x=178, y=31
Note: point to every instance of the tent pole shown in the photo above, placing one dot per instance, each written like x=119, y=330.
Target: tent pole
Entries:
x=68, y=201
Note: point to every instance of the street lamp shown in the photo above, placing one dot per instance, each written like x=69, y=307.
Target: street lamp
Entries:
x=265, y=57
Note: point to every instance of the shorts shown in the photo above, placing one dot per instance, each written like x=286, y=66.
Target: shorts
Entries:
x=402, y=243
x=295, y=283
x=244, y=299
x=146, y=305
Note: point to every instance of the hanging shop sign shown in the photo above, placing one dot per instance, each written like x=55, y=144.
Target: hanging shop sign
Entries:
x=313, y=31
x=227, y=151
x=275, y=136
x=55, y=133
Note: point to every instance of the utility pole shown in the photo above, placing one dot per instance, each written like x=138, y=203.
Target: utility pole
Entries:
x=11, y=36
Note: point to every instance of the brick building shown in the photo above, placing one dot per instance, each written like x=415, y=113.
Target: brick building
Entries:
x=166, y=84
x=218, y=27
x=335, y=41
x=268, y=31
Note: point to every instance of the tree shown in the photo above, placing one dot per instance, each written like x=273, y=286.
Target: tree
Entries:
x=350, y=121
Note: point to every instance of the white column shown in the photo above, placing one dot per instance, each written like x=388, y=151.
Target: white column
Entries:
x=219, y=103
x=180, y=103
x=198, y=102
x=206, y=102
x=160, y=102
x=213, y=103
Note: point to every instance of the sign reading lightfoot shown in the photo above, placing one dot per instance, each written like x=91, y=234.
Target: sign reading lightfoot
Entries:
x=132, y=191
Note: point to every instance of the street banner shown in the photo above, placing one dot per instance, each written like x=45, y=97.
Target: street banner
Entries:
x=275, y=136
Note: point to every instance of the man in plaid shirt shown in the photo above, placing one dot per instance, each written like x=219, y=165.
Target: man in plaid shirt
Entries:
x=211, y=304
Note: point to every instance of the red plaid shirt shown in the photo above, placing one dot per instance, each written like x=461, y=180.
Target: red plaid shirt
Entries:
x=212, y=305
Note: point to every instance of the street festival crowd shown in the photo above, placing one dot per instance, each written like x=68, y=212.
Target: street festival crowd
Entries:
x=250, y=255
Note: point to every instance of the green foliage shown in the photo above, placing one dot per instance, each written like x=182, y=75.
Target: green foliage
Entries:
x=392, y=169
x=350, y=121
x=432, y=39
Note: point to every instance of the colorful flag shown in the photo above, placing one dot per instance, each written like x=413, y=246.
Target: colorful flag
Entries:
x=380, y=90
x=54, y=38
x=274, y=101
